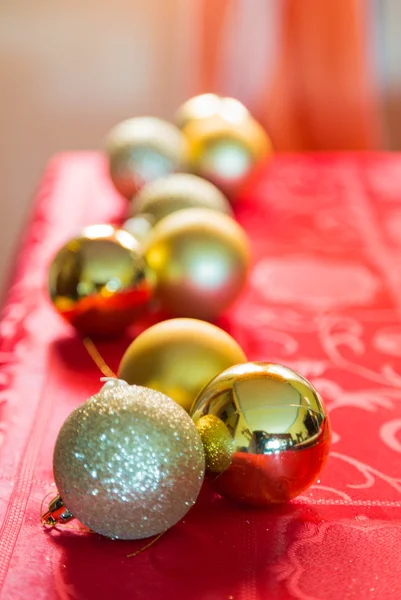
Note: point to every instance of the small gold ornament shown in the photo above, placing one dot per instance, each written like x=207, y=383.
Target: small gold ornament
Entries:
x=217, y=443
x=224, y=143
x=179, y=357
x=178, y=191
x=279, y=428
x=201, y=260
x=128, y=463
x=143, y=149
x=99, y=282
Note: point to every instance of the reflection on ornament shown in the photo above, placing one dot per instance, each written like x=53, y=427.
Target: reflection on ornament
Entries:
x=224, y=140
x=279, y=428
x=143, y=149
x=205, y=106
x=179, y=357
x=128, y=463
x=175, y=192
x=139, y=226
x=201, y=259
x=99, y=282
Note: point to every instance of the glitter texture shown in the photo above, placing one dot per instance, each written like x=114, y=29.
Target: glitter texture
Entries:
x=217, y=442
x=129, y=462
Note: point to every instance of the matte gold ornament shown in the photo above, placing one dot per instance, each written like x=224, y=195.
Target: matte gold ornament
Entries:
x=225, y=145
x=143, y=149
x=179, y=357
x=99, y=282
x=201, y=260
x=279, y=428
x=175, y=192
x=128, y=463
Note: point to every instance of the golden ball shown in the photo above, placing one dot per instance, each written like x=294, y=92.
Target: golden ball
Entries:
x=279, y=428
x=201, y=260
x=225, y=146
x=99, y=282
x=160, y=198
x=217, y=443
x=179, y=357
x=198, y=107
x=143, y=149
x=205, y=106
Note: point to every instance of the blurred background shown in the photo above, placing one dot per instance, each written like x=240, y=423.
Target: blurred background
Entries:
x=320, y=75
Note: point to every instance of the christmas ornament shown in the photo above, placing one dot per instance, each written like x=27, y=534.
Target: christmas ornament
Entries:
x=201, y=260
x=128, y=464
x=179, y=357
x=205, y=106
x=225, y=145
x=139, y=226
x=99, y=282
x=279, y=428
x=175, y=192
x=141, y=150
x=217, y=443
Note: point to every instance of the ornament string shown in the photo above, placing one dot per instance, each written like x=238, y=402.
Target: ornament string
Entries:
x=147, y=545
x=97, y=358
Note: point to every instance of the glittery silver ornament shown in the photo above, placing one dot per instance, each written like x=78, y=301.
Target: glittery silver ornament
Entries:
x=143, y=149
x=129, y=462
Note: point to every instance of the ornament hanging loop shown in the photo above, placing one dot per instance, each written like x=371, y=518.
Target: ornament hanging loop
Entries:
x=98, y=359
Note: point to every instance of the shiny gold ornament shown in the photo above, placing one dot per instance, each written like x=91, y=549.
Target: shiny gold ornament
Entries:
x=225, y=146
x=279, y=428
x=143, y=149
x=201, y=260
x=128, y=463
x=198, y=107
x=99, y=282
x=179, y=357
x=175, y=192
x=205, y=106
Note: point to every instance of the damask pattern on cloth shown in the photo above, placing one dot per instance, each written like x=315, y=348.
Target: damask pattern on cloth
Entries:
x=324, y=297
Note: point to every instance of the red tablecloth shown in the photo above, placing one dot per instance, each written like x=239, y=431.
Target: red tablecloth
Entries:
x=324, y=298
